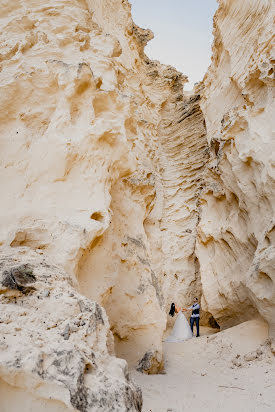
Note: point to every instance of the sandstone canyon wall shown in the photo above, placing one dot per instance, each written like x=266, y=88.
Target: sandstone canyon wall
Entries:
x=66, y=145
x=235, y=243
x=119, y=186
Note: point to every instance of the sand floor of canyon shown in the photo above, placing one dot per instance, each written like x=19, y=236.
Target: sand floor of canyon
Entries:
x=200, y=374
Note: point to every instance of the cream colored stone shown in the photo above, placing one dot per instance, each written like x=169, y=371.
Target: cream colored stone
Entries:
x=235, y=244
x=65, y=127
x=70, y=87
x=142, y=193
x=100, y=140
x=55, y=349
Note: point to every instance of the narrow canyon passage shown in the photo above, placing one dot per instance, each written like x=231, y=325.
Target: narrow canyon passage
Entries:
x=146, y=258
x=121, y=193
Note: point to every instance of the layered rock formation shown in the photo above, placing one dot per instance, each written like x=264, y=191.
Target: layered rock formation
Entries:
x=66, y=145
x=235, y=244
x=92, y=153
x=134, y=193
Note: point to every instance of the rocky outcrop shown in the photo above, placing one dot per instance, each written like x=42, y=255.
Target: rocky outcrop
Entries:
x=74, y=99
x=66, y=147
x=235, y=244
x=94, y=161
x=55, y=344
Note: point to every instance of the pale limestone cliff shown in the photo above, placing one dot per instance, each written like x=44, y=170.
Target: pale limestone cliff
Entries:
x=55, y=344
x=142, y=193
x=67, y=140
x=235, y=243
x=94, y=163
x=73, y=91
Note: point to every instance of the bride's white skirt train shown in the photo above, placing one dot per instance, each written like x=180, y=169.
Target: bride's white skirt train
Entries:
x=181, y=330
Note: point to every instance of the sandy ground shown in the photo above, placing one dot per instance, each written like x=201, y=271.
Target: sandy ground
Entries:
x=211, y=373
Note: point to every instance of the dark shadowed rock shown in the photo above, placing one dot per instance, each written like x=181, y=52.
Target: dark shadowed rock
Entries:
x=19, y=278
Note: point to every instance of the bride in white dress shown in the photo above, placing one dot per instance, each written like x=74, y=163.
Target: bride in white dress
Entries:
x=181, y=330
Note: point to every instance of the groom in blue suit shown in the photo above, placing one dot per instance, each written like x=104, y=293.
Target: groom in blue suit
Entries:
x=195, y=317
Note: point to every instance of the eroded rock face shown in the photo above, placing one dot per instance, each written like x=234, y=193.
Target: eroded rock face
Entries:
x=55, y=344
x=141, y=193
x=66, y=143
x=74, y=99
x=102, y=157
x=235, y=244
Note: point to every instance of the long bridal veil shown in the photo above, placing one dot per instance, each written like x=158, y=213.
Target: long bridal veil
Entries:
x=181, y=330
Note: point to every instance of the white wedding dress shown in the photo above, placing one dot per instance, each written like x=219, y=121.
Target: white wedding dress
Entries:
x=181, y=330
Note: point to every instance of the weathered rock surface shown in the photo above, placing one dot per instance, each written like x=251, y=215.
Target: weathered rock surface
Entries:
x=94, y=159
x=55, y=347
x=235, y=243
x=74, y=99
x=141, y=193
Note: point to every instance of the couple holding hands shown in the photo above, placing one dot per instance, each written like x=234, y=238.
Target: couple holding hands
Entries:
x=181, y=330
